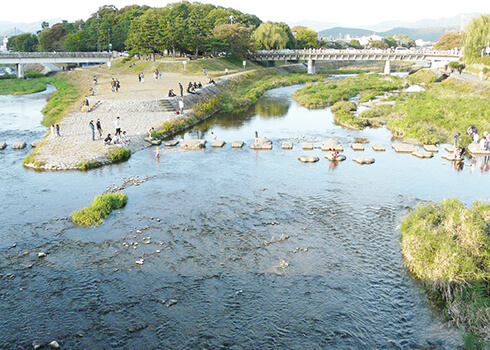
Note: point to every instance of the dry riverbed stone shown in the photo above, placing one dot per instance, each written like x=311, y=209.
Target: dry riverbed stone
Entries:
x=379, y=147
x=19, y=145
x=332, y=144
x=403, y=148
x=287, y=145
x=194, y=144
x=308, y=159
x=363, y=160
x=237, y=144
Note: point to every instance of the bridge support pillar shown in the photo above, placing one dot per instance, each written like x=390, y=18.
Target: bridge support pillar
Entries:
x=387, y=70
x=20, y=70
x=311, y=66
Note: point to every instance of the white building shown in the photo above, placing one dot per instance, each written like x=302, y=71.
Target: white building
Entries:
x=365, y=40
x=3, y=47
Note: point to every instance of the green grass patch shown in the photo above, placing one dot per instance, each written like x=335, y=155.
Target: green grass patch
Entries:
x=62, y=100
x=100, y=208
x=22, y=86
x=84, y=166
x=117, y=154
x=447, y=247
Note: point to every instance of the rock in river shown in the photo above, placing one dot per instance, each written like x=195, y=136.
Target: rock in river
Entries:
x=195, y=144
x=308, y=159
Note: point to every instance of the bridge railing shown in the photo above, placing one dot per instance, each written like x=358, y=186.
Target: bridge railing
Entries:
x=55, y=55
x=324, y=51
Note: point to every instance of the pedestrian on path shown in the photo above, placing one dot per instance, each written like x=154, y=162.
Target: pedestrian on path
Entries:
x=181, y=90
x=205, y=72
x=58, y=129
x=53, y=129
x=181, y=106
x=99, y=128
x=92, y=127
x=117, y=124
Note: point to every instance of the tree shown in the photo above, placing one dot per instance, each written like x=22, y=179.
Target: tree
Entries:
x=476, y=37
x=305, y=37
x=378, y=44
x=404, y=40
x=270, y=35
x=51, y=39
x=236, y=36
x=449, y=41
x=390, y=41
x=25, y=42
x=355, y=44
x=145, y=35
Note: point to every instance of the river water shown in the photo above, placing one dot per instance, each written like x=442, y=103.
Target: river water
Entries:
x=259, y=250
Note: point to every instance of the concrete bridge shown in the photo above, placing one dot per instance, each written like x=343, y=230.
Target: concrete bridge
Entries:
x=22, y=58
x=434, y=57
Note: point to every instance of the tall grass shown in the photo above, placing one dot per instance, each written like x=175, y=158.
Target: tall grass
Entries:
x=100, y=208
x=447, y=247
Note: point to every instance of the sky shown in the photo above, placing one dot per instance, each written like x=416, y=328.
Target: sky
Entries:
x=346, y=13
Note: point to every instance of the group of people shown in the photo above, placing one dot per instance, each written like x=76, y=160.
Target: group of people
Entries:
x=191, y=88
x=484, y=141
x=55, y=130
x=158, y=74
x=141, y=77
x=115, y=85
x=118, y=138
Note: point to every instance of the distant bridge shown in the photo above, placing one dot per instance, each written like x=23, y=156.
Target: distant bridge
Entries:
x=22, y=58
x=435, y=57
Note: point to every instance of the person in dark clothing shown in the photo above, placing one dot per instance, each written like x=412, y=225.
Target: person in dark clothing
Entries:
x=181, y=90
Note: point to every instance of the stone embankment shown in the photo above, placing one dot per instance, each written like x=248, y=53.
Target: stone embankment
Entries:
x=75, y=145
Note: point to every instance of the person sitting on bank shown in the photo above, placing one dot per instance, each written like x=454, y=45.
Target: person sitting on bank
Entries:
x=125, y=139
x=190, y=89
x=108, y=139
x=171, y=93
x=211, y=81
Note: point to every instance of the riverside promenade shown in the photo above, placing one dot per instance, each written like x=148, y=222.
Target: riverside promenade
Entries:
x=140, y=106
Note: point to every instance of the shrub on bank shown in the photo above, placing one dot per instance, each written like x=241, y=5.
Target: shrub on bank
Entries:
x=447, y=247
x=119, y=154
x=100, y=208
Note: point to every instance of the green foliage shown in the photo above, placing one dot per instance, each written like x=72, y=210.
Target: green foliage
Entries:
x=453, y=64
x=449, y=41
x=84, y=166
x=305, y=37
x=22, y=86
x=117, y=154
x=272, y=35
x=25, y=42
x=100, y=208
x=476, y=37
x=236, y=37
x=60, y=102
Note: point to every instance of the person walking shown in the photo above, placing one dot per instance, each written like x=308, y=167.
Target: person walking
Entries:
x=92, y=127
x=181, y=106
x=58, y=129
x=117, y=124
x=181, y=90
x=205, y=72
x=456, y=137
x=99, y=128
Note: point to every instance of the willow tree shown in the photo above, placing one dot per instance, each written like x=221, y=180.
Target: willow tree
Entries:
x=476, y=37
x=270, y=35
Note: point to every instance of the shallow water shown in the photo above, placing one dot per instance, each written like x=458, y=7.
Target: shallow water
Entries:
x=260, y=250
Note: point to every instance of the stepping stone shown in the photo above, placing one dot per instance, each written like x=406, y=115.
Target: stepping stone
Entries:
x=308, y=159
x=34, y=144
x=450, y=157
x=218, y=144
x=156, y=142
x=423, y=154
x=287, y=145
x=379, y=147
x=403, y=148
x=431, y=148
x=363, y=160
x=307, y=145
x=476, y=151
x=262, y=143
x=332, y=144
x=237, y=144
x=172, y=143
x=192, y=145
x=19, y=145
x=357, y=146
x=449, y=148
x=339, y=158
x=3, y=145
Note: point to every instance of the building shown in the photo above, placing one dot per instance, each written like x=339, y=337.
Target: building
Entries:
x=3, y=47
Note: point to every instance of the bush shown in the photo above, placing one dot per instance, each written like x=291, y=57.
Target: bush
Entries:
x=118, y=154
x=100, y=208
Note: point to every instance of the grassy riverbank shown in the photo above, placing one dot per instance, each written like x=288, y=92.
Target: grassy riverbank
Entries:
x=447, y=247
x=16, y=86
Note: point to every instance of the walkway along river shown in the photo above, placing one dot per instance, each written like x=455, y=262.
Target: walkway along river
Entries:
x=238, y=248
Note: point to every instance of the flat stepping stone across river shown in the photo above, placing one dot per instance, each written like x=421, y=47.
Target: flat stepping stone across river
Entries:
x=19, y=145
x=262, y=143
x=363, y=160
x=476, y=151
x=403, y=148
x=339, y=158
x=308, y=159
x=307, y=145
x=192, y=145
x=431, y=148
x=449, y=148
x=218, y=144
x=156, y=142
x=237, y=144
x=423, y=154
x=450, y=157
x=357, y=146
x=332, y=144
x=379, y=147
x=3, y=145
x=287, y=145
x=172, y=143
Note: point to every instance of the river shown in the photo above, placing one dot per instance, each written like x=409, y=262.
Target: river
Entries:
x=259, y=250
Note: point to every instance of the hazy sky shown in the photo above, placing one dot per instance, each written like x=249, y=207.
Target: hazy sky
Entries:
x=352, y=13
